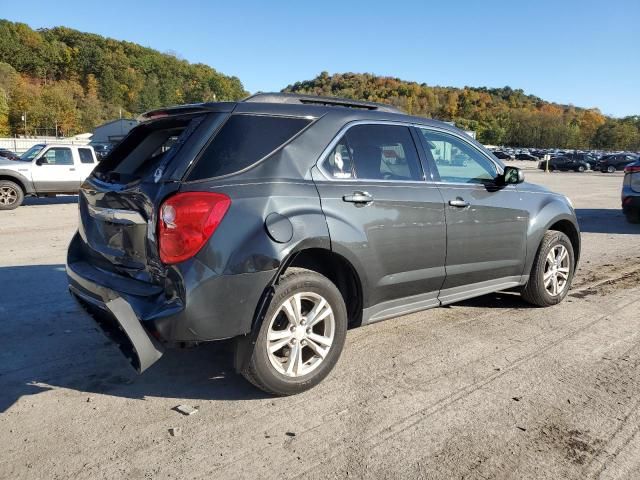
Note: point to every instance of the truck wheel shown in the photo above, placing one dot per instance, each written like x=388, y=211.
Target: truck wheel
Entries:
x=11, y=195
x=552, y=271
x=301, y=336
x=633, y=216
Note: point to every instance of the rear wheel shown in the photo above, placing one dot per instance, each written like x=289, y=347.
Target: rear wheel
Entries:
x=581, y=168
x=611, y=169
x=552, y=271
x=301, y=337
x=11, y=195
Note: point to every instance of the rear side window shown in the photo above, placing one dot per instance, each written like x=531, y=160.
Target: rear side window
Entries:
x=86, y=155
x=375, y=152
x=244, y=140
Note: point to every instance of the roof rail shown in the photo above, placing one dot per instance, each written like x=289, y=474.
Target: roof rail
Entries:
x=318, y=100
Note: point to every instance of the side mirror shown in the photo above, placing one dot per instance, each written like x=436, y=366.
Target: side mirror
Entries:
x=512, y=175
x=39, y=161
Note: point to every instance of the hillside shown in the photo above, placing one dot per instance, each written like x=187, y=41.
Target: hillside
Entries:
x=70, y=80
x=78, y=80
x=498, y=115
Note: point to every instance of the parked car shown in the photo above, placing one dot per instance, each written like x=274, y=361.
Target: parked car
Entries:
x=582, y=156
x=44, y=170
x=526, y=156
x=281, y=220
x=102, y=149
x=631, y=192
x=502, y=155
x=612, y=163
x=8, y=154
x=564, y=164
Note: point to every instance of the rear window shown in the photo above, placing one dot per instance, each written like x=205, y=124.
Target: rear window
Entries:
x=146, y=148
x=243, y=141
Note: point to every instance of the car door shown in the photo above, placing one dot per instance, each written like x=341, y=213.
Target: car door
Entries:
x=87, y=162
x=382, y=216
x=486, y=221
x=55, y=171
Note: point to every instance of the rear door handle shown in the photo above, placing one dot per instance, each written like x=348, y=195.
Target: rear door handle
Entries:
x=458, y=202
x=358, y=197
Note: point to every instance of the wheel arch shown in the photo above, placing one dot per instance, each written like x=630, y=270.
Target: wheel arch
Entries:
x=17, y=180
x=554, y=214
x=337, y=269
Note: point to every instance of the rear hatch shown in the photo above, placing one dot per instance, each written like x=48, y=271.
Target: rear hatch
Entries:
x=119, y=201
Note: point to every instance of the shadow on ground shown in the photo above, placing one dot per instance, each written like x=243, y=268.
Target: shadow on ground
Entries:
x=49, y=342
x=57, y=200
x=604, y=220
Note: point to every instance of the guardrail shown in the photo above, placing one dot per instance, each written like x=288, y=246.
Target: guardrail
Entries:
x=20, y=145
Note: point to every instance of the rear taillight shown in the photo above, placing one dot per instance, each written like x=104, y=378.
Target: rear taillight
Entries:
x=187, y=221
x=632, y=169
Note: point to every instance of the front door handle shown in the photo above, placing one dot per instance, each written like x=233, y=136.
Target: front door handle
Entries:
x=458, y=202
x=72, y=169
x=358, y=197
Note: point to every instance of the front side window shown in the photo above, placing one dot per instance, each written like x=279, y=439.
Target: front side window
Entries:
x=375, y=152
x=57, y=156
x=455, y=160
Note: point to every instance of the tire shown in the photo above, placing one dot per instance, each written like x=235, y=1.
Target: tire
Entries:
x=611, y=169
x=11, y=195
x=535, y=291
x=273, y=372
x=581, y=168
x=633, y=216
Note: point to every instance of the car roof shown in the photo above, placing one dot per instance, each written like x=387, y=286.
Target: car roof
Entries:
x=299, y=105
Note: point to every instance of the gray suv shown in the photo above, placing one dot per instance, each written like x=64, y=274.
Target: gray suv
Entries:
x=283, y=220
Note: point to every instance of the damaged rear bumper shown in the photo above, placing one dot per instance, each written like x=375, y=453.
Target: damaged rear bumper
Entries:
x=117, y=320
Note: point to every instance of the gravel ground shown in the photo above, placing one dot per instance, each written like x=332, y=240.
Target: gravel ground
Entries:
x=487, y=388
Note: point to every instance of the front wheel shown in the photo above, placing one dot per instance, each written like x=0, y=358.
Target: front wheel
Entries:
x=301, y=336
x=581, y=168
x=611, y=169
x=552, y=271
x=11, y=195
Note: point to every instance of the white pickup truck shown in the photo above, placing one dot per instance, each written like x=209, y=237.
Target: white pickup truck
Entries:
x=44, y=170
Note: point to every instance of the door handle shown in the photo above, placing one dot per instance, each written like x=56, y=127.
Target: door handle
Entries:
x=358, y=197
x=72, y=169
x=458, y=202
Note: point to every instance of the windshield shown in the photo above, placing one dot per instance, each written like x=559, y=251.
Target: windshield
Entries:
x=31, y=153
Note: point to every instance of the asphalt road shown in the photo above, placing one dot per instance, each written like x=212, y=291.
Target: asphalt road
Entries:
x=487, y=388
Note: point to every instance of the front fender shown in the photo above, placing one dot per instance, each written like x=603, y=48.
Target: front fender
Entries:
x=22, y=179
x=551, y=209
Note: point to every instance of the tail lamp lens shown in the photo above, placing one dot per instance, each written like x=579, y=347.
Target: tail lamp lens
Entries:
x=187, y=221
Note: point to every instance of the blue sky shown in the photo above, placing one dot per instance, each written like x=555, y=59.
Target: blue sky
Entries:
x=582, y=52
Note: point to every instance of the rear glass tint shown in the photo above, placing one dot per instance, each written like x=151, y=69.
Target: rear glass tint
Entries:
x=146, y=147
x=86, y=155
x=242, y=141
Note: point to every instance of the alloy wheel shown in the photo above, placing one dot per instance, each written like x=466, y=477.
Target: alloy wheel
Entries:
x=8, y=195
x=556, y=270
x=300, y=334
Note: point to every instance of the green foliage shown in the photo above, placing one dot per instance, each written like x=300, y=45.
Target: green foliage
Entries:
x=79, y=80
x=500, y=116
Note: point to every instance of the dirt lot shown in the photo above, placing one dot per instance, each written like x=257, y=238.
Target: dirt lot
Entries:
x=488, y=388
